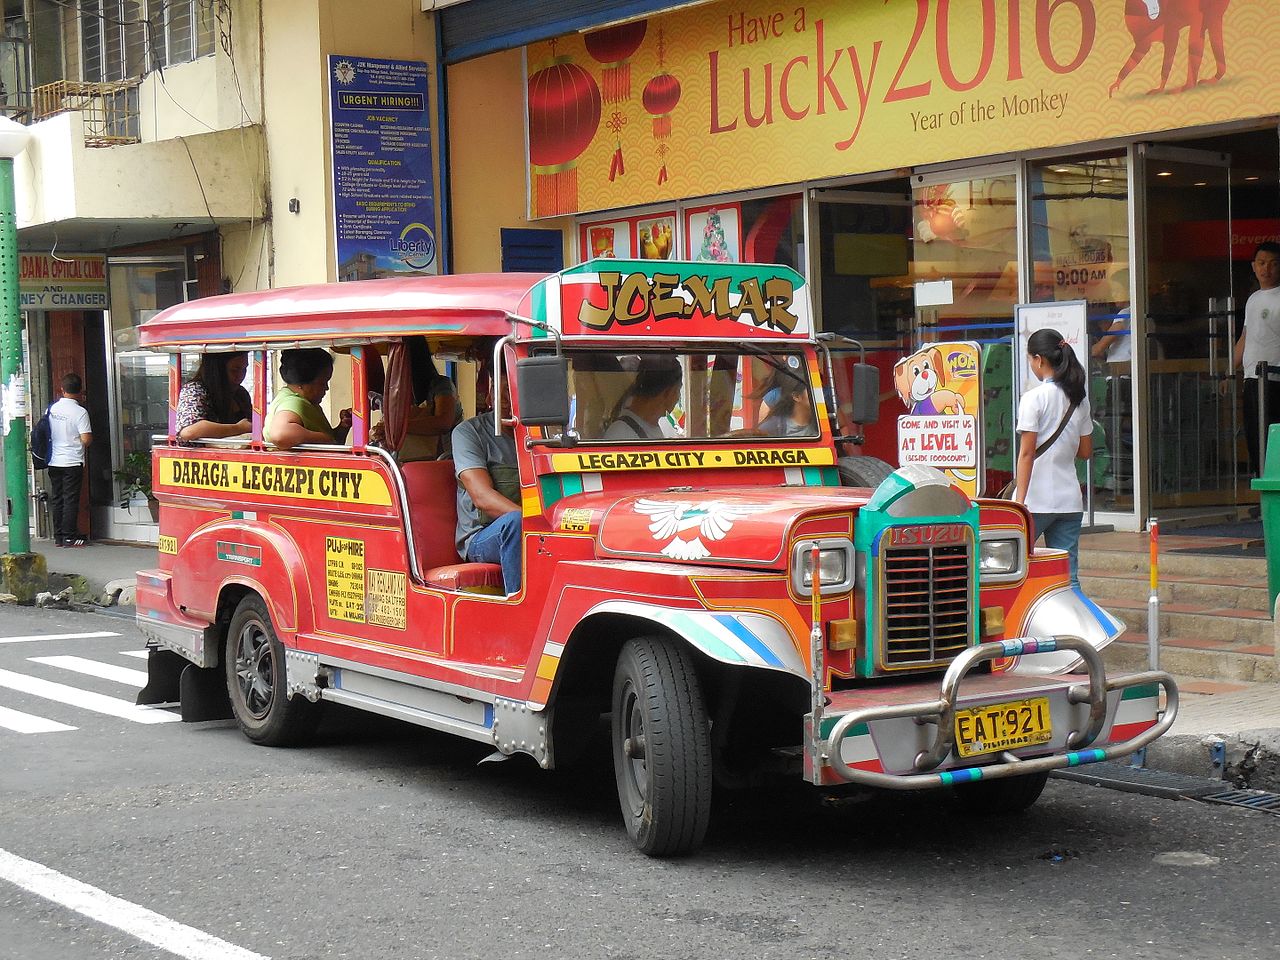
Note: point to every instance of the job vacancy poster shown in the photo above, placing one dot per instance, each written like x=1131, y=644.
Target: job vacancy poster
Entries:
x=383, y=204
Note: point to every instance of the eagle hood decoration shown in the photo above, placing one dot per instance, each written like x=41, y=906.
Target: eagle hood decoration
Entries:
x=684, y=524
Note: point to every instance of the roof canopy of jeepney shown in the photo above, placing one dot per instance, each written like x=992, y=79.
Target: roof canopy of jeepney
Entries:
x=459, y=305
x=610, y=299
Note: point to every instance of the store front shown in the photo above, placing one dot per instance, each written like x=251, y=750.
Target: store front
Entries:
x=1028, y=165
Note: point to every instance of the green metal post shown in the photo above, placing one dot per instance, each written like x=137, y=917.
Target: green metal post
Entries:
x=15, y=440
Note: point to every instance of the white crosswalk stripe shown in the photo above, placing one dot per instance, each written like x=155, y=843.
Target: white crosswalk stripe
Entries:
x=20, y=722
x=140, y=654
x=35, y=637
x=94, y=668
x=74, y=696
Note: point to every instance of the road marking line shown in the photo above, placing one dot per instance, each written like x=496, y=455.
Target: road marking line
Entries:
x=58, y=636
x=147, y=925
x=92, y=668
x=20, y=722
x=76, y=697
x=140, y=654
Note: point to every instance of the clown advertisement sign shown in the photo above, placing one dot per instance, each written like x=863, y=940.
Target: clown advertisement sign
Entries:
x=941, y=386
x=742, y=94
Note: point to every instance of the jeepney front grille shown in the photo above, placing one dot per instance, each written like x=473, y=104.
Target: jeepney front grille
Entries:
x=926, y=603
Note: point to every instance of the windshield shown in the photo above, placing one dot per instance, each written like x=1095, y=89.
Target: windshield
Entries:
x=657, y=396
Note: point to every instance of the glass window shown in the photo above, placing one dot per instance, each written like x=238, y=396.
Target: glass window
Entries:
x=138, y=291
x=652, y=396
x=966, y=231
x=1079, y=211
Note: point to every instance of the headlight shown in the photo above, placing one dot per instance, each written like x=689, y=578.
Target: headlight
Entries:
x=999, y=557
x=835, y=566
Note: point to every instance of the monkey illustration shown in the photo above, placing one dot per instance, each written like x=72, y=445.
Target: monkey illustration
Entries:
x=1164, y=20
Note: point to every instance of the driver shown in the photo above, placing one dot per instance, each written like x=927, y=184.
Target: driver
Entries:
x=652, y=395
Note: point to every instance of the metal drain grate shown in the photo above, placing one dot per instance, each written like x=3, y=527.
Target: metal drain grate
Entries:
x=1253, y=799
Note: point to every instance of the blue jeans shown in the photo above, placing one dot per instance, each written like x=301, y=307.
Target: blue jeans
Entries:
x=499, y=542
x=1061, y=532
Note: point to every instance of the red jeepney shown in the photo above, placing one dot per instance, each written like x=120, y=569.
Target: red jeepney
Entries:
x=740, y=597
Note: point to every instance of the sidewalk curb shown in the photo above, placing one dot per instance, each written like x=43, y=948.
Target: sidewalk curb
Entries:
x=1252, y=757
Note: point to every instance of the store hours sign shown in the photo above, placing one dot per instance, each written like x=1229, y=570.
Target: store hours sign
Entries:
x=383, y=201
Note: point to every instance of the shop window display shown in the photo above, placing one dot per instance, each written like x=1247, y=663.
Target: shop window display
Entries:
x=1079, y=217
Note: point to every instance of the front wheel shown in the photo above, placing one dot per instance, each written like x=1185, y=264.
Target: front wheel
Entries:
x=1004, y=796
x=661, y=747
x=256, y=680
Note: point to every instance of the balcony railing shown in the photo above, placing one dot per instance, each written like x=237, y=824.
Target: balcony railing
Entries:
x=110, y=109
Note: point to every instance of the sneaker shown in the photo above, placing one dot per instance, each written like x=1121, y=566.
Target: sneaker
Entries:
x=76, y=542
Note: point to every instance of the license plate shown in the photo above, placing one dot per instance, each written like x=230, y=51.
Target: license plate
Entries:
x=1003, y=726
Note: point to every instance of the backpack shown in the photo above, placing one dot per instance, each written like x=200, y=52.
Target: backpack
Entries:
x=41, y=443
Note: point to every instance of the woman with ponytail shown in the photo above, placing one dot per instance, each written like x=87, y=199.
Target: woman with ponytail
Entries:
x=1056, y=427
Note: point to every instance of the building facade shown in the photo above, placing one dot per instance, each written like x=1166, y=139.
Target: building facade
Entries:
x=182, y=148
x=928, y=172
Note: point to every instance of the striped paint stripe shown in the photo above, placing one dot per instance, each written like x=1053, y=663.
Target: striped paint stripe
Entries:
x=93, y=668
x=75, y=697
x=139, y=654
x=20, y=722
x=750, y=639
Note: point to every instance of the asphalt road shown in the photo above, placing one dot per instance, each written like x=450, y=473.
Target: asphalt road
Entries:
x=382, y=841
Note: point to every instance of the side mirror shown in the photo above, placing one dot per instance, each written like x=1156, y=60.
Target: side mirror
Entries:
x=543, y=385
x=865, y=388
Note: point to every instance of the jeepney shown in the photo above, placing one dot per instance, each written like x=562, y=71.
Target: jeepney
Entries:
x=733, y=606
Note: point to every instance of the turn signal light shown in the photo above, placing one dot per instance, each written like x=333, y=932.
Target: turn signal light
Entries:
x=992, y=622
x=842, y=634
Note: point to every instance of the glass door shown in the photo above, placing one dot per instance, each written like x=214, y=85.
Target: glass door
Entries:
x=1194, y=445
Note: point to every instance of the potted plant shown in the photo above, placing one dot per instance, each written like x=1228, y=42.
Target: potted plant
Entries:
x=135, y=477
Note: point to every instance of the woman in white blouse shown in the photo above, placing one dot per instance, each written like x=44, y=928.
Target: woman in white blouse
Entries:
x=1047, y=483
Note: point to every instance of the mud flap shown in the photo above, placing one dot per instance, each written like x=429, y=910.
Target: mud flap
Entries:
x=164, y=667
x=204, y=694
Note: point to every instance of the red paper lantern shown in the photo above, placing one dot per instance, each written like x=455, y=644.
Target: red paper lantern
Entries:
x=661, y=94
x=613, y=47
x=564, y=114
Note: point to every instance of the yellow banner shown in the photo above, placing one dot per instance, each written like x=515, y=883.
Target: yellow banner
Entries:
x=713, y=458
x=343, y=485
x=734, y=95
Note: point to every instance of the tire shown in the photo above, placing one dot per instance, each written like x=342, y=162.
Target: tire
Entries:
x=664, y=786
x=862, y=471
x=254, y=661
x=1001, y=797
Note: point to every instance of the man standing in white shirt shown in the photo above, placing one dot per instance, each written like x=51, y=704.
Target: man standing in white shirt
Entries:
x=1260, y=342
x=69, y=430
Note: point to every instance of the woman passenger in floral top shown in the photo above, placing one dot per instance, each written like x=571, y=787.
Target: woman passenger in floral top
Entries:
x=213, y=404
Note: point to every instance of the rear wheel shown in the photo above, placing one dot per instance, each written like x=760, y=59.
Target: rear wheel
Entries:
x=256, y=680
x=862, y=471
x=1004, y=796
x=661, y=747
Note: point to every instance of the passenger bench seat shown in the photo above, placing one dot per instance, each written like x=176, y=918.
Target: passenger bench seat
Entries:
x=432, y=489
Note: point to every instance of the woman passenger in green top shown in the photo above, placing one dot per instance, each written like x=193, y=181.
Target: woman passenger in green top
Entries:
x=295, y=416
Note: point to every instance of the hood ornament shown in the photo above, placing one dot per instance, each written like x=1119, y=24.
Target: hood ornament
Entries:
x=710, y=519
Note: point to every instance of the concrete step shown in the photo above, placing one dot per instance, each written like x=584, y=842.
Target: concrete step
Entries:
x=1245, y=570
x=1209, y=660
x=1225, y=592
x=1193, y=620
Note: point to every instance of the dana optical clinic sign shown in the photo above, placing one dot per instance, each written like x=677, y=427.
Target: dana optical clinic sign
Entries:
x=743, y=94
x=65, y=282
x=383, y=199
